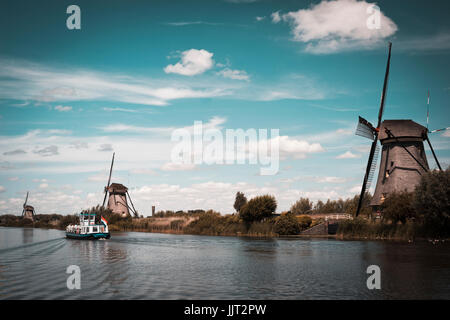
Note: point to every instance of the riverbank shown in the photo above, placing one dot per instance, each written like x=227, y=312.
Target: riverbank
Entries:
x=232, y=226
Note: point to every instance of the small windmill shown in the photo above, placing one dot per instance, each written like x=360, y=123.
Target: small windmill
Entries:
x=28, y=211
x=118, y=194
x=403, y=158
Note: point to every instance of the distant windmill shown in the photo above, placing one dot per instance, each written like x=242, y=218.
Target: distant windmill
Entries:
x=118, y=194
x=403, y=158
x=28, y=211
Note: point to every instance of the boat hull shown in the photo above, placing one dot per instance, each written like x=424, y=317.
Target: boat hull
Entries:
x=88, y=236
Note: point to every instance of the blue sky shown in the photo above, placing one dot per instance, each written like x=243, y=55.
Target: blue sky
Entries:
x=69, y=98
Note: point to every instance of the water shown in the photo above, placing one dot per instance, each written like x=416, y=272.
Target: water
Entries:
x=135, y=265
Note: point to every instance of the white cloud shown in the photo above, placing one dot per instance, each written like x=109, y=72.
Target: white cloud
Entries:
x=334, y=26
x=14, y=152
x=356, y=189
x=25, y=80
x=47, y=151
x=437, y=42
x=260, y=18
x=193, y=62
x=276, y=17
x=348, y=155
x=331, y=180
x=105, y=147
x=2, y=189
x=298, y=149
x=170, y=166
x=43, y=185
x=446, y=133
x=213, y=123
x=13, y=178
x=99, y=177
x=234, y=74
x=293, y=86
x=63, y=108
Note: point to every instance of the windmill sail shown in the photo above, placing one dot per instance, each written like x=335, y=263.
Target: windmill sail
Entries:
x=109, y=180
x=25, y=204
x=443, y=129
x=365, y=129
x=374, y=143
x=373, y=166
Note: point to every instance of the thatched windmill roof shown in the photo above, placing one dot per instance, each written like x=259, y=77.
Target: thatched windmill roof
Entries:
x=401, y=129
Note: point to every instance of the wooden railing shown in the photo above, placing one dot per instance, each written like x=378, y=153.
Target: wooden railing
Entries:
x=339, y=217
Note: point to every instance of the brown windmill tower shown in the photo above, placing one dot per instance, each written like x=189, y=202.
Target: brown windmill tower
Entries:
x=28, y=211
x=118, y=196
x=403, y=159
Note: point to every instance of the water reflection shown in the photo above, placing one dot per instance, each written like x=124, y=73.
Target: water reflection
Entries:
x=27, y=235
x=159, y=266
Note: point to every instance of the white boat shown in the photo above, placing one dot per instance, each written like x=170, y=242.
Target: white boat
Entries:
x=87, y=229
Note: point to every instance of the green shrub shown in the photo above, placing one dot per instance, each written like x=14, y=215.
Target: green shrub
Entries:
x=305, y=221
x=287, y=224
x=432, y=202
x=398, y=207
x=258, y=208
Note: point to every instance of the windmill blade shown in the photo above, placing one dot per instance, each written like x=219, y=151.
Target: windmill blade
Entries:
x=109, y=180
x=432, y=151
x=26, y=199
x=428, y=109
x=385, y=84
x=134, y=210
x=443, y=129
x=365, y=129
x=373, y=166
x=367, y=175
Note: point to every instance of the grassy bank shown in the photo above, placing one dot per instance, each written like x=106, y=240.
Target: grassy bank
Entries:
x=365, y=229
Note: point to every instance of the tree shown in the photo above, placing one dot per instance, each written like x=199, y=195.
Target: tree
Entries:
x=287, y=224
x=240, y=201
x=258, y=208
x=318, y=207
x=398, y=206
x=302, y=206
x=432, y=201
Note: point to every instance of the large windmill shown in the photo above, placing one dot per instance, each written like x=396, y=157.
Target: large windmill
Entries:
x=403, y=158
x=118, y=194
x=28, y=211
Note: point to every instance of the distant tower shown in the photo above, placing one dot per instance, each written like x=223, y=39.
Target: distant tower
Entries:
x=117, y=200
x=403, y=159
x=28, y=211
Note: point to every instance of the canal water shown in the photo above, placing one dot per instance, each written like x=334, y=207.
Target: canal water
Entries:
x=131, y=265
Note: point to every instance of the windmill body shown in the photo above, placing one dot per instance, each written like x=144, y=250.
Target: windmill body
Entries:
x=117, y=201
x=28, y=212
x=117, y=195
x=403, y=159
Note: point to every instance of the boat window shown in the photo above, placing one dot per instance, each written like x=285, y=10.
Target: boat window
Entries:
x=95, y=229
